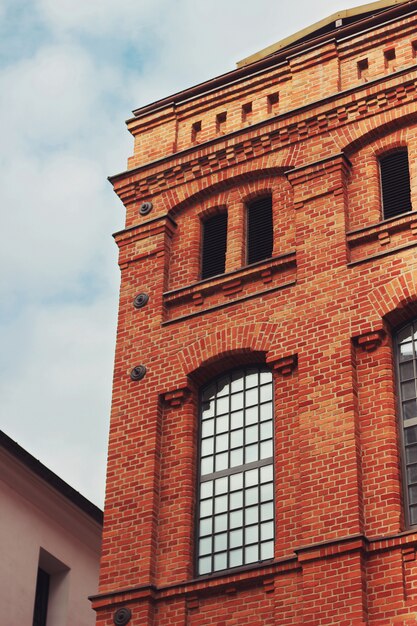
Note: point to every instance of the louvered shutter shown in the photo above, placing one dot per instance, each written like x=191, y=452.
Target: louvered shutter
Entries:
x=395, y=184
x=260, y=232
x=214, y=245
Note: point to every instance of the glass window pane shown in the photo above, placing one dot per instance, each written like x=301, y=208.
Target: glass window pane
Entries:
x=236, y=420
x=266, y=393
x=206, y=526
x=410, y=409
x=252, y=515
x=220, y=542
x=220, y=504
x=267, y=492
x=236, y=538
x=221, y=485
x=207, y=446
x=252, y=415
x=223, y=388
x=220, y=523
x=220, y=561
x=413, y=515
x=236, y=438
x=206, y=489
x=222, y=405
x=266, y=449
x=236, y=500
x=237, y=381
x=204, y=565
x=405, y=335
x=408, y=390
x=222, y=461
x=412, y=474
x=252, y=534
x=222, y=442
x=236, y=401
x=251, y=478
x=251, y=554
x=236, y=481
x=267, y=511
x=406, y=351
x=205, y=546
x=252, y=496
x=412, y=495
x=236, y=558
x=251, y=434
x=236, y=457
x=236, y=519
x=407, y=370
x=265, y=430
x=265, y=377
x=251, y=453
x=251, y=397
x=411, y=434
x=267, y=550
x=206, y=508
x=266, y=411
x=207, y=428
x=411, y=454
x=207, y=410
x=222, y=424
x=267, y=473
x=251, y=378
x=206, y=465
x=267, y=530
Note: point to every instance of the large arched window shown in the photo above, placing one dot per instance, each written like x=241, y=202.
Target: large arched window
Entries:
x=406, y=340
x=236, y=487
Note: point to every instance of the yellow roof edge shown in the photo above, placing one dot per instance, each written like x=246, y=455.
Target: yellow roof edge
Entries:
x=283, y=43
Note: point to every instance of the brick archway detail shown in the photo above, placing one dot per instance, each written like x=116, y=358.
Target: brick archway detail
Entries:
x=229, y=342
x=396, y=301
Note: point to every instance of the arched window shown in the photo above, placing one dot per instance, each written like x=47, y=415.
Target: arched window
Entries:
x=395, y=183
x=235, y=523
x=406, y=341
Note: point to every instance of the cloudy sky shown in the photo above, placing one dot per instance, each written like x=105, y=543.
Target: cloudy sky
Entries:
x=71, y=71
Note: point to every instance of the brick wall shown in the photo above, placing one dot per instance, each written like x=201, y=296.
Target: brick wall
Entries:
x=321, y=313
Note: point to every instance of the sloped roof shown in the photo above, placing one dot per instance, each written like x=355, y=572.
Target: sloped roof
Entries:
x=341, y=18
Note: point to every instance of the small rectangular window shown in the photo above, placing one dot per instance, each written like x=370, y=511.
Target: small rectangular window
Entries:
x=259, y=229
x=273, y=102
x=195, y=131
x=214, y=246
x=395, y=184
x=389, y=59
x=221, y=122
x=246, y=112
x=363, y=69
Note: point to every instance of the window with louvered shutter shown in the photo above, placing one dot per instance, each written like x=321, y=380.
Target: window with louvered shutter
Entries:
x=259, y=229
x=213, y=260
x=395, y=184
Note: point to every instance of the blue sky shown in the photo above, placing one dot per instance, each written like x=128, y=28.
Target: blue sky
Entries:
x=71, y=71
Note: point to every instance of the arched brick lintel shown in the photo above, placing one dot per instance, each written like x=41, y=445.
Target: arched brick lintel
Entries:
x=396, y=301
x=223, y=349
x=375, y=130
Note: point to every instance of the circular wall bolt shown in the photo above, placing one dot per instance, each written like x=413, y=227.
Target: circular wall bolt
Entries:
x=138, y=372
x=141, y=300
x=122, y=617
x=145, y=208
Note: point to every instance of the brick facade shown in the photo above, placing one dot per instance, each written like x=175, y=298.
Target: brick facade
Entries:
x=306, y=125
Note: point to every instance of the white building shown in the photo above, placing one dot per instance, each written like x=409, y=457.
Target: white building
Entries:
x=50, y=538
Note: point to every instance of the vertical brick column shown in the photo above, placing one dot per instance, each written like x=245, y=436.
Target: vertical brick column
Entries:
x=128, y=557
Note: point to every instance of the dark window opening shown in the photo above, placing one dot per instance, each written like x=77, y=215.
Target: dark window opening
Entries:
x=235, y=524
x=214, y=246
x=395, y=184
x=259, y=230
x=41, y=598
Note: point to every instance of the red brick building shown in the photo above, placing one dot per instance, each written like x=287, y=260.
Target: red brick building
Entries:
x=263, y=446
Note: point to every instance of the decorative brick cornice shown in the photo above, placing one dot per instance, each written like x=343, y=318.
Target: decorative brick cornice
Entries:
x=284, y=365
x=176, y=398
x=268, y=136
x=371, y=341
